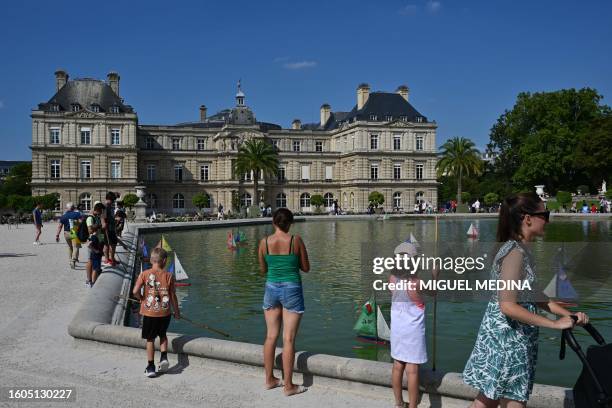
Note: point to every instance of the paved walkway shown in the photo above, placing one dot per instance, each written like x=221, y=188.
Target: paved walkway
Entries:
x=40, y=295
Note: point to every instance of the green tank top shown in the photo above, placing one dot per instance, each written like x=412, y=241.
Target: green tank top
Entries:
x=283, y=267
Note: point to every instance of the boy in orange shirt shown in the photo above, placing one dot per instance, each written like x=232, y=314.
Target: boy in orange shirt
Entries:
x=155, y=300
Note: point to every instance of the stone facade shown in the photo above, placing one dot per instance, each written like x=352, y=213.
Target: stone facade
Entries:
x=86, y=141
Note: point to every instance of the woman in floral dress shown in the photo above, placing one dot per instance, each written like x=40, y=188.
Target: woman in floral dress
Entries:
x=502, y=364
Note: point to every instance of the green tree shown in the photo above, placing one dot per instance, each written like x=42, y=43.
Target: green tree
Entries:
x=609, y=194
x=317, y=200
x=564, y=198
x=18, y=180
x=48, y=201
x=593, y=154
x=537, y=141
x=376, y=198
x=465, y=196
x=201, y=200
x=583, y=189
x=460, y=158
x=491, y=199
x=257, y=156
x=129, y=200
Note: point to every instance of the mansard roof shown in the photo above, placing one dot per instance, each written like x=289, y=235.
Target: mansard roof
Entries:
x=86, y=92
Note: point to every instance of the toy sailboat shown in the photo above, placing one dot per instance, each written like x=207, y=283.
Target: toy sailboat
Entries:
x=371, y=326
x=472, y=232
x=559, y=288
x=174, y=264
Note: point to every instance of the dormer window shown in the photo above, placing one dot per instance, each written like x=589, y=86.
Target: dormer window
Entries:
x=114, y=109
x=75, y=107
x=419, y=119
x=95, y=108
x=388, y=118
x=55, y=107
x=404, y=118
x=373, y=117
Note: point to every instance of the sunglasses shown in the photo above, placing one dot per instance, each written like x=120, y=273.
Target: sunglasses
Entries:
x=544, y=214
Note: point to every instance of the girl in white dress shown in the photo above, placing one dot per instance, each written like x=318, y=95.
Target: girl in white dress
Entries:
x=408, y=343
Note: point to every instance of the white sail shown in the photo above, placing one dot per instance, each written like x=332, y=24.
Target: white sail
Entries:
x=382, y=327
x=472, y=231
x=179, y=271
x=413, y=240
x=551, y=289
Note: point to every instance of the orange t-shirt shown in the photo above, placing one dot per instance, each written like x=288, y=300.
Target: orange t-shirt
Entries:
x=157, y=288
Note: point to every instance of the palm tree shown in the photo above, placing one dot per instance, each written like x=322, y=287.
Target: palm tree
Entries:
x=257, y=156
x=459, y=158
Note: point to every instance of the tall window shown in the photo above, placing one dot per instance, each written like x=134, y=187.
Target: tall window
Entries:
x=420, y=196
x=305, y=200
x=201, y=143
x=151, y=199
x=305, y=173
x=397, y=171
x=248, y=176
x=374, y=142
x=419, y=171
x=95, y=108
x=151, y=172
x=114, y=109
x=245, y=200
x=329, y=199
x=204, y=172
x=281, y=173
x=373, y=117
x=86, y=201
x=85, y=169
x=76, y=107
x=275, y=144
x=318, y=146
x=388, y=118
x=150, y=143
x=85, y=136
x=56, y=169
x=54, y=136
x=374, y=172
x=115, y=169
x=176, y=143
x=397, y=200
x=178, y=172
x=296, y=145
x=419, y=142
x=328, y=173
x=397, y=142
x=281, y=200
x=115, y=137
x=178, y=201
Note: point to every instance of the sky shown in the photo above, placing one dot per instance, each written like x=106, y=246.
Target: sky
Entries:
x=464, y=61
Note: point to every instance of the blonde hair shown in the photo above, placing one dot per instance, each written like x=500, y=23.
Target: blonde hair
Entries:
x=158, y=255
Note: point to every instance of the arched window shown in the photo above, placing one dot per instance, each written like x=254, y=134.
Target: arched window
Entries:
x=281, y=200
x=352, y=200
x=397, y=200
x=420, y=196
x=329, y=199
x=245, y=200
x=178, y=201
x=85, y=201
x=305, y=200
x=344, y=200
x=151, y=200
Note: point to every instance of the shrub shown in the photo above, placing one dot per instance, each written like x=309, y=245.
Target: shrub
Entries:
x=129, y=200
x=564, y=197
x=201, y=200
x=491, y=199
x=317, y=200
x=376, y=198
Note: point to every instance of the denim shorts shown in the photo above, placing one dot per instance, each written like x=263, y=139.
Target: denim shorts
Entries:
x=289, y=295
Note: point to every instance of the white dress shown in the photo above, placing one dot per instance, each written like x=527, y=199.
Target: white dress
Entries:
x=408, y=342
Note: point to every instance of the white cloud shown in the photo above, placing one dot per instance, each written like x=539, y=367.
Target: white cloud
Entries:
x=300, y=65
x=408, y=10
x=433, y=6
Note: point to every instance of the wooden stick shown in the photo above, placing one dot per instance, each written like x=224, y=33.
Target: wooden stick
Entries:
x=183, y=317
x=435, y=305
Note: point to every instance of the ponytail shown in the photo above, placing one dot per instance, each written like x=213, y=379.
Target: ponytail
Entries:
x=511, y=214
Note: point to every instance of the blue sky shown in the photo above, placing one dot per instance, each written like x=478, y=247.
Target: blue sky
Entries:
x=464, y=61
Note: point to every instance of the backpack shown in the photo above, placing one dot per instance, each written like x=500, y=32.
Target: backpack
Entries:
x=83, y=231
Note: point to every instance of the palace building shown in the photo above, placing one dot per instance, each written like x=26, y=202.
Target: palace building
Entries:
x=86, y=141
